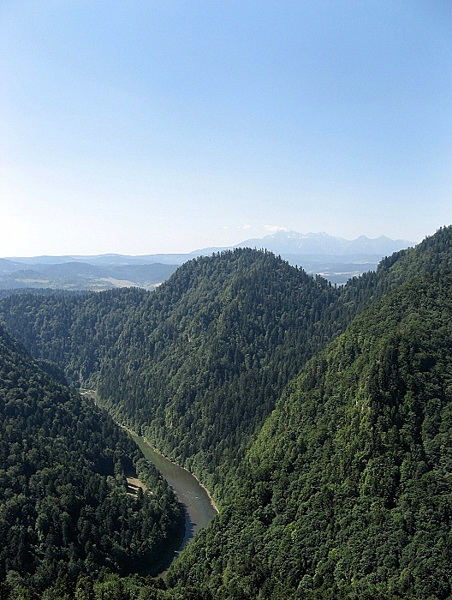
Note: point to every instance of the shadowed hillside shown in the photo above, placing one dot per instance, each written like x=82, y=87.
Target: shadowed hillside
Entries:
x=319, y=417
x=348, y=490
x=64, y=507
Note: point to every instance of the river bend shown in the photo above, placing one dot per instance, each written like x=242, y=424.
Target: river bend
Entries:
x=198, y=506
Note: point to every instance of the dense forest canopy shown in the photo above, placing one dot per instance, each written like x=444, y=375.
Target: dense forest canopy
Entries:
x=73, y=331
x=196, y=366
x=349, y=490
x=65, y=509
x=320, y=417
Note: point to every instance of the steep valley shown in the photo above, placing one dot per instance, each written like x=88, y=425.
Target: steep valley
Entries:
x=319, y=418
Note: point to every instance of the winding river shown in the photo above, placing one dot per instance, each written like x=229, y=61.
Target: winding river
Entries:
x=198, y=506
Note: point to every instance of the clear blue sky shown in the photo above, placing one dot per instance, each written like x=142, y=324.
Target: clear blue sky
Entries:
x=146, y=126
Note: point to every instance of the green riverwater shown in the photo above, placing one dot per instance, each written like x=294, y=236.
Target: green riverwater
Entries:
x=199, y=508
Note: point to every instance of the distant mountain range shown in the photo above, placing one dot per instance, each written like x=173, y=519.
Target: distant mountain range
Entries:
x=294, y=243
x=335, y=258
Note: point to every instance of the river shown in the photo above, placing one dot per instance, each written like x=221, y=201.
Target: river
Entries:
x=198, y=506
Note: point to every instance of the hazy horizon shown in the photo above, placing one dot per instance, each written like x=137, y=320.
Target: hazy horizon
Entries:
x=406, y=243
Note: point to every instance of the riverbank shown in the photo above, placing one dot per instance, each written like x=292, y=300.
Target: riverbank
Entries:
x=199, y=507
x=203, y=487
x=135, y=437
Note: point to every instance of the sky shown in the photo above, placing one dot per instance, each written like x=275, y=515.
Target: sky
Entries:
x=159, y=126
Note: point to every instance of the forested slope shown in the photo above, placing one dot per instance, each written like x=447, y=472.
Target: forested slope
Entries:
x=349, y=489
x=344, y=491
x=432, y=255
x=196, y=366
x=202, y=362
x=73, y=331
x=64, y=506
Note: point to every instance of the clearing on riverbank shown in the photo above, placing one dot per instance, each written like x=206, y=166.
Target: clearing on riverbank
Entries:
x=134, y=484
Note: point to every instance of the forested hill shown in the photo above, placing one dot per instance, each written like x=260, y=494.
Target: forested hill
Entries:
x=432, y=256
x=331, y=462
x=348, y=492
x=202, y=361
x=73, y=331
x=196, y=366
x=64, y=507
